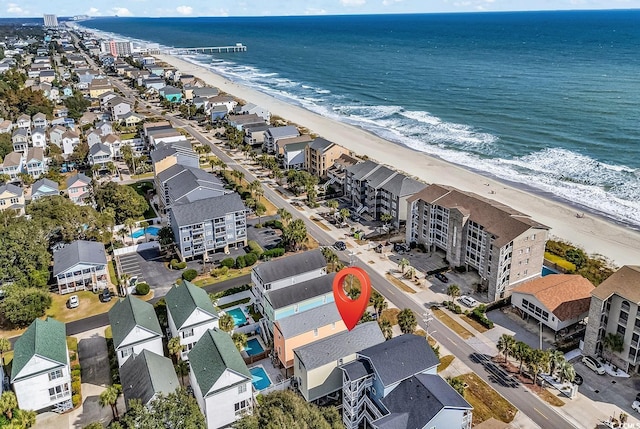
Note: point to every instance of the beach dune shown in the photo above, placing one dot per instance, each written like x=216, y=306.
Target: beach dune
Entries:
x=594, y=234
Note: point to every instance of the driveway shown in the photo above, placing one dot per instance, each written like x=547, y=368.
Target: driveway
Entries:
x=521, y=329
x=154, y=271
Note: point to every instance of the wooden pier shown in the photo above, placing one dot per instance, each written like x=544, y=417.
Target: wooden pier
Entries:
x=238, y=47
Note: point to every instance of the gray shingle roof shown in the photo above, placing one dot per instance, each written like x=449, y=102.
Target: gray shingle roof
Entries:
x=289, y=295
x=400, y=358
x=340, y=345
x=359, y=170
x=417, y=401
x=146, y=374
x=320, y=144
x=308, y=320
x=8, y=187
x=357, y=369
x=128, y=313
x=183, y=299
x=80, y=251
x=45, y=187
x=12, y=159
x=290, y=266
x=379, y=176
x=401, y=186
x=72, y=179
x=182, y=181
x=283, y=132
x=207, y=209
x=98, y=149
x=212, y=355
x=44, y=338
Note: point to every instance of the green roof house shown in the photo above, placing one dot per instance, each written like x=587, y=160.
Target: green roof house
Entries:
x=40, y=373
x=220, y=379
x=146, y=375
x=135, y=328
x=190, y=313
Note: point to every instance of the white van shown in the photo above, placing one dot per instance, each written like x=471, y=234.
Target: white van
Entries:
x=593, y=365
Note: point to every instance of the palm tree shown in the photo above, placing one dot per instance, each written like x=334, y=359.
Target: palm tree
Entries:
x=535, y=363
x=386, y=218
x=259, y=193
x=411, y=273
x=285, y=216
x=386, y=328
x=506, y=344
x=110, y=397
x=144, y=225
x=254, y=186
x=407, y=321
x=240, y=340
x=567, y=372
x=175, y=349
x=333, y=205
x=344, y=214
x=260, y=210
x=453, y=291
x=556, y=359
x=23, y=419
x=226, y=322
x=124, y=282
x=8, y=403
x=614, y=343
x=130, y=224
x=5, y=346
x=182, y=369
x=330, y=257
x=457, y=384
x=112, y=168
x=295, y=233
x=520, y=352
x=378, y=302
x=402, y=264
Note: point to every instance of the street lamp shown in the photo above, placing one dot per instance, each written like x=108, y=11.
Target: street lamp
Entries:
x=427, y=317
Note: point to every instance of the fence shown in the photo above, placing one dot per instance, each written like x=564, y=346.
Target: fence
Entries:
x=135, y=248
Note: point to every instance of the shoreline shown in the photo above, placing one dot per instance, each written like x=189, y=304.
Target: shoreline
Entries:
x=593, y=233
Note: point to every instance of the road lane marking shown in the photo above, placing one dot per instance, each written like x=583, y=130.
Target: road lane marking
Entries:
x=540, y=412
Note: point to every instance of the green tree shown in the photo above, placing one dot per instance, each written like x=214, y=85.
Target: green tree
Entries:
x=94, y=425
x=567, y=372
x=295, y=233
x=285, y=216
x=453, y=291
x=378, y=302
x=77, y=105
x=23, y=419
x=110, y=397
x=124, y=200
x=8, y=403
x=344, y=214
x=240, y=340
x=505, y=344
x=556, y=359
x=386, y=218
x=330, y=257
x=457, y=384
x=182, y=370
x=175, y=349
x=403, y=264
x=5, y=346
x=4, y=178
x=24, y=259
x=80, y=152
x=226, y=322
x=287, y=410
x=386, y=328
x=535, y=363
x=407, y=321
x=520, y=351
x=6, y=144
x=144, y=225
x=613, y=343
x=176, y=410
x=22, y=305
x=260, y=210
x=333, y=205
x=26, y=179
x=130, y=224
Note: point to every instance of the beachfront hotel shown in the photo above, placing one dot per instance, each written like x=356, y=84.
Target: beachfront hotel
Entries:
x=505, y=247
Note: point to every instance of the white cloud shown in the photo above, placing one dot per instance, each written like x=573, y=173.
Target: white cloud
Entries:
x=93, y=11
x=353, y=2
x=184, y=10
x=121, y=11
x=390, y=2
x=15, y=9
x=315, y=11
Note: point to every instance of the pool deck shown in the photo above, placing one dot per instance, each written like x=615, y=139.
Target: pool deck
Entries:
x=274, y=373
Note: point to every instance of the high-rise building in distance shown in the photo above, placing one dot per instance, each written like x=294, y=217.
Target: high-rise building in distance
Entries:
x=50, y=20
x=117, y=48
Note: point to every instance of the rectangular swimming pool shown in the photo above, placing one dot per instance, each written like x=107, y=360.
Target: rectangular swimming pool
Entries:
x=259, y=378
x=253, y=347
x=238, y=316
x=151, y=230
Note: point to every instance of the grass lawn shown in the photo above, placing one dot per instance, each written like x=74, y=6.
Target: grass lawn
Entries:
x=319, y=223
x=390, y=314
x=271, y=208
x=445, y=361
x=399, y=284
x=486, y=402
x=463, y=332
x=476, y=325
x=209, y=280
x=128, y=136
x=90, y=305
x=310, y=243
x=112, y=273
x=234, y=303
x=143, y=176
x=550, y=398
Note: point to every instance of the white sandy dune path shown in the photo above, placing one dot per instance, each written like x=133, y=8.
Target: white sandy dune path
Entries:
x=594, y=234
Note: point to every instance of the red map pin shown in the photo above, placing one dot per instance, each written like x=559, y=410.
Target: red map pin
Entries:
x=351, y=310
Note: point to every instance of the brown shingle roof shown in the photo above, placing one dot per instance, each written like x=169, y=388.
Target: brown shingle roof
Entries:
x=565, y=295
x=624, y=282
x=500, y=220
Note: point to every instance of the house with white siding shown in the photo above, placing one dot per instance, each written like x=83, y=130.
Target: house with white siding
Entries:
x=80, y=265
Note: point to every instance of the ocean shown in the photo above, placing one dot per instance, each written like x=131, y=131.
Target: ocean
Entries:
x=549, y=101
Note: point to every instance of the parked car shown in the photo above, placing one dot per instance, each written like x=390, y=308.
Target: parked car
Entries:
x=400, y=248
x=74, y=301
x=340, y=245
x=636, y=406
x=442, y=277
x=468, y=301
x=105, y=296
x=593, y=365
x=578, y=380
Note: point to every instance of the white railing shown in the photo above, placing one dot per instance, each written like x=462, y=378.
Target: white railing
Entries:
x=135, y=248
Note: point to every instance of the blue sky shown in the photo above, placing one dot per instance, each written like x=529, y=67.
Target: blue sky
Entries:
x=24, y=8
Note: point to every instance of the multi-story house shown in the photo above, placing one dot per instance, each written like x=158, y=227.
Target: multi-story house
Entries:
x=220, y=379
x=131, y=119
x=285, y=272
x=24, y=122
x=190, y=314
x=100, y=154
x=12, y=165
x=304, y=328
x=40, y=371
x=11, y=198
x=135, y=328
x=239, y=122
x=94, y=137
x=180, y=184
x=70, y=139
x=206, y=226
x=505, y=247
x=253, y=109
x=97, y=87
x=79, y=188
x=166, y=155
x=20, y=139
x=55, y=135
x=290, y=151
x=615, y=309
x=35, y=163
x=167, y=136
x=118, y=107
x=39, y=120
x=316, y=365
x=320, y=155
x=222, y=100
x=254, y=134
x=146, y=375
x=273, y=134
x=106, y=96
x=397, y=381
x=38, y=137
x=80, y=265
x=44, y=188
x=6, y=126
x=376, y=190
x=104, y=128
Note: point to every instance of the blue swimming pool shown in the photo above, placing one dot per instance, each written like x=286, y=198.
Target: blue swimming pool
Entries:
x=259, y=378
x=238, y=316
x=151, y=230
x=253, y=347
x=546, y=271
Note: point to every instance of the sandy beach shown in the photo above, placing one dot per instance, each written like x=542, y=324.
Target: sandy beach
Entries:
x=594, y=234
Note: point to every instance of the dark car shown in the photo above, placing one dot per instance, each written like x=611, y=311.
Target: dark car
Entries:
x=578, y=379
x=340, y=245
x=442, y=277
x=105, y=296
